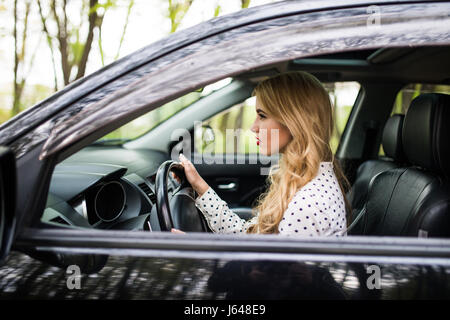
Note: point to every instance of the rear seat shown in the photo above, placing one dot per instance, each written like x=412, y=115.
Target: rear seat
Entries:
x=393, y=149
x=415, y=200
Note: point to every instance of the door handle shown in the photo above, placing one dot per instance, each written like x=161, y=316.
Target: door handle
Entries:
x=229, y=186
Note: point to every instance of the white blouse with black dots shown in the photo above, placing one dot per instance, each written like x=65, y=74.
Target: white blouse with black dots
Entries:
x=317, y=209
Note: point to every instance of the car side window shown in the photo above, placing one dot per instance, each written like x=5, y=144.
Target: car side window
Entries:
x=408, y=93
x=238, y=119
x=150, y=120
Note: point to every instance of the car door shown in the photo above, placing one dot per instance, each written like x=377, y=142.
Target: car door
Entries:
x=96, y=264
x=65, y=262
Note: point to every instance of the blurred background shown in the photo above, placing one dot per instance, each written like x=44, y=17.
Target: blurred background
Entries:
x=47, y=44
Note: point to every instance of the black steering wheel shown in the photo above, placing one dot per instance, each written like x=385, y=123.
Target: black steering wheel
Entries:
x=180, y=211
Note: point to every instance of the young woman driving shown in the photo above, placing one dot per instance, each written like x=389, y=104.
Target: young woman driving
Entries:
x=306, y=194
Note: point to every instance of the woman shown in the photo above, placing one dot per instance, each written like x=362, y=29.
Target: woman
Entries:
x=306, y=193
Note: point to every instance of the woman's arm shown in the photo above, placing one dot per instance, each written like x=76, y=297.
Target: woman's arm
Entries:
x=219, y=216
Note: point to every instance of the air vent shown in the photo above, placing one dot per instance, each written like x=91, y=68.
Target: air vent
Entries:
x=144, y=187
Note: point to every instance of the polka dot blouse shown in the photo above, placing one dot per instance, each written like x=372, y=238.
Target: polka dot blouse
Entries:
x=317, y=209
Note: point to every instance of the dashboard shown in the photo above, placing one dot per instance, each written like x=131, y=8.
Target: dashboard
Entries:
x=106, y=187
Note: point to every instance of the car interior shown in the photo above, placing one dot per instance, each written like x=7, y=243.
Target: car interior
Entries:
x=402, y=191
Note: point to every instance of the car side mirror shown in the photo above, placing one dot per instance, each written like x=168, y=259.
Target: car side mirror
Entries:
x=8, y=186
x=205, y=136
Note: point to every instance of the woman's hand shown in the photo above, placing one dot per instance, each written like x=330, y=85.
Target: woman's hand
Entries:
x=173, y=230
x=196, y=181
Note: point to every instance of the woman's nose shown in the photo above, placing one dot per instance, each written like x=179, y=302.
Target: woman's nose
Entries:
x=254, y=127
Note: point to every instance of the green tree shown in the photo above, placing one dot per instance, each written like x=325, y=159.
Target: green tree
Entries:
x=2, y=9
x=113, y=4
x=73, y=49
x=177, y=10
x=22, y=66
x=130, y=6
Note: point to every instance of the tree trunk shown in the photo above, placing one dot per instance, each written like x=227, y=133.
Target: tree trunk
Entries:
x=62, y=39
x=94, y=21
x=49, y=42
x=19, y=58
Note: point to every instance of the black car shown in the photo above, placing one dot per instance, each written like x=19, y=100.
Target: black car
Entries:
x=85, y=214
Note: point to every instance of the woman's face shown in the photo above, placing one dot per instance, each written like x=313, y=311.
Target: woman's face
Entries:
x=271, y=135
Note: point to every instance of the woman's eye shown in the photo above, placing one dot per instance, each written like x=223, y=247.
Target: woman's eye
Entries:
x=261, y=116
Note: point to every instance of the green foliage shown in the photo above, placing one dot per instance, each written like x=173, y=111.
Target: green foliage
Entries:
x=341, y=115
x=76, y=51
x=245, y=4
x=177, y=10
x=130, y=6
x=32, y=95
x=217, y=11
x=153, y=118
x=105, y=6
x=5, y=114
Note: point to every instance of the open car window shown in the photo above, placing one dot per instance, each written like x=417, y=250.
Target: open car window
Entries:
x=408, y=93
x=239, y=118
x=150, y=120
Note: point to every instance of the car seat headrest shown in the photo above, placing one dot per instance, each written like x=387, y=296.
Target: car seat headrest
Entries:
x=392, y=138
x=426, y=132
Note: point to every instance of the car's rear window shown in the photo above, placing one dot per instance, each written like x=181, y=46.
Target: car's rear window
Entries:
x=408, y=93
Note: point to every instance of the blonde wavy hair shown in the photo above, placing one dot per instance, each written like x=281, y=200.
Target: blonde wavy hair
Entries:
x=299, y=101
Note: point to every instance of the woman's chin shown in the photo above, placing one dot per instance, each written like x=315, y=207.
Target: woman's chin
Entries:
x=262, y=151
x=266, y=153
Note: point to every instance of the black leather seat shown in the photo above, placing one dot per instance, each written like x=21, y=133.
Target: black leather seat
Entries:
x=393, y=149
x=415, y=200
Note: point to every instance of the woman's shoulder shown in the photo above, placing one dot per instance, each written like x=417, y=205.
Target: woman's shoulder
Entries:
x=320, y=202
x=324, y=186
x=325, y=176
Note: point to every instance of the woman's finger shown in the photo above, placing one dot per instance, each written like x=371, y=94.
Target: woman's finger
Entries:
x=184, y=160
x=186, y=163
x=173, y=230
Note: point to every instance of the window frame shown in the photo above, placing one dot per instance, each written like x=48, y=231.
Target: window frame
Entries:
x=64, y=140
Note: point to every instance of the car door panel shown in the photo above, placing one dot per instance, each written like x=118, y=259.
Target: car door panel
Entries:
x=247, y=268
x=238, y=180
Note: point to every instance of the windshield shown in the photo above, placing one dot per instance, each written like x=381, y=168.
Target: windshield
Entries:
x=150, y=120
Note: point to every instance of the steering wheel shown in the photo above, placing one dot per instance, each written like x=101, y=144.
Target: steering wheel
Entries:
x=180, y=212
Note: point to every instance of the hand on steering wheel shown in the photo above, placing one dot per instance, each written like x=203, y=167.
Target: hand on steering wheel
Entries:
x=192, y=176
x=180, y=212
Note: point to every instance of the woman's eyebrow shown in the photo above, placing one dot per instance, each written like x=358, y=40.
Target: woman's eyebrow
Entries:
x=259, y=110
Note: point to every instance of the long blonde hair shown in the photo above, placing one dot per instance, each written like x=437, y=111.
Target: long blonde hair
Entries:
x=300, y=102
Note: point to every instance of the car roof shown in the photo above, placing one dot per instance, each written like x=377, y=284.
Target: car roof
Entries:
x=401, y=64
